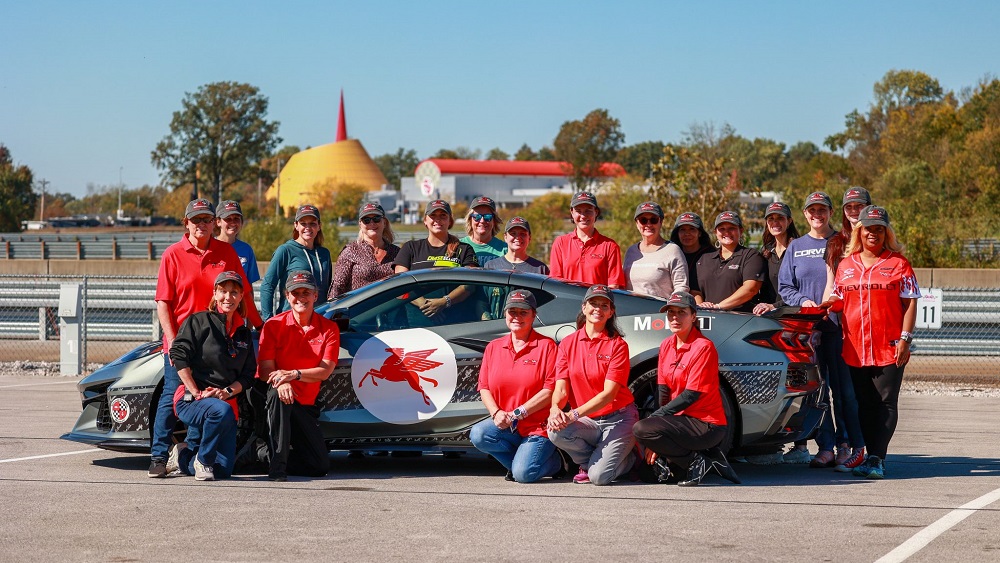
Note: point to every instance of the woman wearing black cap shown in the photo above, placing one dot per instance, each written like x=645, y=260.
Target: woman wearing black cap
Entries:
x=690, y=424
x=368, y=259
x=689, y=233
x=439, y=249
x=779, y=231
x=730, y=278
x=214, y=357
x=482, y=224
x=654, y=266
x=304, y=252
x=592, y=370
x=515, y=382
x=879, y=292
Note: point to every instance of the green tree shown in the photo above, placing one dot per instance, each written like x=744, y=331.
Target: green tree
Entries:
x=686, y=180
x=497, y=154
x=638, y=159
x=395, y=166
x=16, y=198
x=547, y=214
x=459, y=153
x=221, y=135
x=525, y=153
x=347, y=198
x=586, y=144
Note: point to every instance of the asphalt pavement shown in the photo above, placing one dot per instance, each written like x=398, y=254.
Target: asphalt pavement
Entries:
x=68, y=502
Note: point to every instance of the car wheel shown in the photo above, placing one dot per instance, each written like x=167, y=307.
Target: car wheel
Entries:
x=647, y=399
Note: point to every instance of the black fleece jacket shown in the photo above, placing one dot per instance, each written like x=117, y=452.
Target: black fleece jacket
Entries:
x=203, y=345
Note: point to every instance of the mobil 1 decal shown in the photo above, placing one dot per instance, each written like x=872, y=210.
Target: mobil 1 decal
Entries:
x=659, y=322
x=404, y=376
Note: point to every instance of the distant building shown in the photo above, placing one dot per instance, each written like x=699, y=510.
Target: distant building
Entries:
x=506, y=181
x=344, y=161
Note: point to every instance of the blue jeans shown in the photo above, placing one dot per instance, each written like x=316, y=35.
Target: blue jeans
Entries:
x=215, y=420
x=838, y=376
x=163, y=425
x=528, y=458
x=603, y=444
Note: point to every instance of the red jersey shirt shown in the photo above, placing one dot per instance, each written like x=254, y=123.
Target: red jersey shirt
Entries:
x=186, y=279
x=291, y=347
x=586, y=363
x=873, y=306
x=599, y=260
x=513, y=378
x=694, y=366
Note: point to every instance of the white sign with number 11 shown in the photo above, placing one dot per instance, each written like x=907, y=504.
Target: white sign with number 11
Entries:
x=929, y=308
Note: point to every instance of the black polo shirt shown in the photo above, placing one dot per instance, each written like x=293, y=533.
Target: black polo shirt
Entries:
x=718, y=278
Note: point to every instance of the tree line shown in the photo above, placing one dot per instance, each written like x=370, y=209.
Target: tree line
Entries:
x=931, y=156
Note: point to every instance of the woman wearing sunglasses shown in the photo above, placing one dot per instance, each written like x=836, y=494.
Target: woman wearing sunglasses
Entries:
x=654, y=266
x=368, y=259
x=482, y=223
x=214, y=356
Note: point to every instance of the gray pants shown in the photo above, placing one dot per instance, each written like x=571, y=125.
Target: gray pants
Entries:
x=603, y=445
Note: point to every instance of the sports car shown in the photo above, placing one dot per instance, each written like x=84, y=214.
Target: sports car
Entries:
x=408, y=382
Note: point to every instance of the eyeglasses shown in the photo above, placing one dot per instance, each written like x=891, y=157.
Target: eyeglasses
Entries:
x=201, y=220
x=371, y=220
x=484, y=217
x=648, y=220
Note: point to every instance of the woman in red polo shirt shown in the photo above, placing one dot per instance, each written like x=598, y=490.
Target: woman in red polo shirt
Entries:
x=515, y=382
x=879, y=292
x=688, y=428
x=592, y=370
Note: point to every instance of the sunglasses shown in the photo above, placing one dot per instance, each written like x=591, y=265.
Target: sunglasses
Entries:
x=201, y=220
x=371, y=220
x=648, y=220
x=232, y=347
x=485, y=217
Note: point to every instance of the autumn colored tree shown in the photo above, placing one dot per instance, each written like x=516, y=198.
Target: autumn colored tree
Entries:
x=586, y=144
x=547, y=215
x=221, y=134
x=16, y=198
x=395, y=166
x=686, y=180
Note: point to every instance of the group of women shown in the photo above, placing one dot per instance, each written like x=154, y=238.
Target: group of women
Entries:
x=573, y=397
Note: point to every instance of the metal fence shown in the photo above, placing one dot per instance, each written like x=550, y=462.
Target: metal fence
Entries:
x=119, y=313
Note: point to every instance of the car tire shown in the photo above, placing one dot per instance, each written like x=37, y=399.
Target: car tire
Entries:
x=646, y=393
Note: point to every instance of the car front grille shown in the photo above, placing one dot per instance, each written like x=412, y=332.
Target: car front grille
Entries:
x=103, y=415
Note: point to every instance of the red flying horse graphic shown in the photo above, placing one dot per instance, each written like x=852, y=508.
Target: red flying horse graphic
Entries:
x=405, y=366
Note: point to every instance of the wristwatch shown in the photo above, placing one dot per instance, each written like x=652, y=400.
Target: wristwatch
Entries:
x=298, y=375
x=906, y=336
x=230, y=392
x=520, y=412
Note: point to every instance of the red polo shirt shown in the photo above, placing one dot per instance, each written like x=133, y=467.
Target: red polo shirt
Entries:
x=187, y=278
x=586, y=363
x=291, y=346
x=873, y=306
x=515, y=377
x=694, y=366
x=598, y=260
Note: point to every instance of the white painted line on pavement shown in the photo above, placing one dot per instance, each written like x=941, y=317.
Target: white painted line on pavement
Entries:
x=47, y=455
x=919, y=540
x=34, y=384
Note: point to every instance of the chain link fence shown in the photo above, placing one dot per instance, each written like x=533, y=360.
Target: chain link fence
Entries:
x=958, y=334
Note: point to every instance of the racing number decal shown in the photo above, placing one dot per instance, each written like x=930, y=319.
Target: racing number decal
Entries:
x=404, y=376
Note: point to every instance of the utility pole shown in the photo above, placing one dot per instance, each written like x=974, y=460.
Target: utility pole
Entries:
x=277, y=199
x=121, y=185
x=44, y=183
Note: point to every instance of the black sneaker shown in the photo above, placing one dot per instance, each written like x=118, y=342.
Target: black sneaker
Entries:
x=662, y=470
x=509, y=477
x=157, y=469
x=279, y=477
x=696, y=472
x=717, y=460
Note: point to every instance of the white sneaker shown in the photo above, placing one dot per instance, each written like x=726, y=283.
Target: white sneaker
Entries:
x=173, y=465
x=203, y=473
x=796, y=455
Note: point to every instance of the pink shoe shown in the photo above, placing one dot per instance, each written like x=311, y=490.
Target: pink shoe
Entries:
x=582, y=478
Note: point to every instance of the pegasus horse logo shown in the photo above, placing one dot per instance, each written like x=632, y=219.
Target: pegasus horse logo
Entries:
x=405, y=366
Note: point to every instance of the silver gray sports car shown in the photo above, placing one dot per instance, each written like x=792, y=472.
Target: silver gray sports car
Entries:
x=408, y=382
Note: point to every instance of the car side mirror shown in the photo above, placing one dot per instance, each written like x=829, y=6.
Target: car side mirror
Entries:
x=342, y=319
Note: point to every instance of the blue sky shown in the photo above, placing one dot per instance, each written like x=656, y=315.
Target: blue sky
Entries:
x=88, y=88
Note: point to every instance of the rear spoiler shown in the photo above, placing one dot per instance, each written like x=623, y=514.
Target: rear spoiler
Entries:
x=814, y=314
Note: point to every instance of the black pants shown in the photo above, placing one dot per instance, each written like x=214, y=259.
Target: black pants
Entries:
x=677, y=437
x=295, y=440
x=877, y=390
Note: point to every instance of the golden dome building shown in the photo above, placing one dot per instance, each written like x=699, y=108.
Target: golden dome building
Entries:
x=312, y=175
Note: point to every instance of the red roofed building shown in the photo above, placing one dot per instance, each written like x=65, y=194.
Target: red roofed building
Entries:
x=506, y=181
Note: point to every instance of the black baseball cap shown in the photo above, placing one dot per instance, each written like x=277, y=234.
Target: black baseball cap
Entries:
x=874, y=215
x=483, y=200
x=728, y=217
x=583, y=198
x=520, y=299
x=680, y=299
x=370, y=208
x=599, y=290
x=648, y=207
x=298, y=279
x=229, y=275
x=857, y=194
x=438, y=204
x=307, y=210
x=817, y=197
x=227, y=208
x=198, y=207
x=515, y=222
x=779, y=208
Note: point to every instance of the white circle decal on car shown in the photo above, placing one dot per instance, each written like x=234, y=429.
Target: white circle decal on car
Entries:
x=120, y=410
x=404, y=376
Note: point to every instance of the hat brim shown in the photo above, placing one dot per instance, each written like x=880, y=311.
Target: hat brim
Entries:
x=294, y=286
x=664, y=308
x=873, y=223
x=516, y=305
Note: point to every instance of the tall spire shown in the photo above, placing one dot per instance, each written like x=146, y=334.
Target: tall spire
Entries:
x=341, y=122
